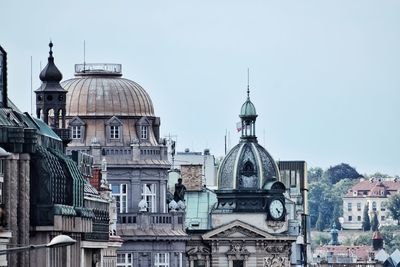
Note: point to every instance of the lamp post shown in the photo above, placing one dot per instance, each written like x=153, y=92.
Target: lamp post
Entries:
x=57, y=241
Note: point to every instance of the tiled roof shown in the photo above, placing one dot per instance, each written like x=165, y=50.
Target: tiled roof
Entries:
x=367, y=185
x=361, y=252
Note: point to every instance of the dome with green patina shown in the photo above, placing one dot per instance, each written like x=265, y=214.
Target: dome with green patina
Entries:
x=248, y=109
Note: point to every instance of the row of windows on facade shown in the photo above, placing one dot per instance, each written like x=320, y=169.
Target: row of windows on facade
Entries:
x=120, y=192
x=115, y=131
x=163, y=260
x=160, y=260
x=374, y=208
x=350, y=218
x=365, y=193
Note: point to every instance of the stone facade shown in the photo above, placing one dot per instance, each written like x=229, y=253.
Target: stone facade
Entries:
x=116, y=124
x=372, y=194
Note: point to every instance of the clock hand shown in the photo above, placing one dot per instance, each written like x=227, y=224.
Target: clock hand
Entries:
x=278, y=211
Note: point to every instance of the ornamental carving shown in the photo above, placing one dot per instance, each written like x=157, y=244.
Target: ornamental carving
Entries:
x=277, y=248
x=275, y=261
x=237, y=252
x=276, y=225
x=238, y=229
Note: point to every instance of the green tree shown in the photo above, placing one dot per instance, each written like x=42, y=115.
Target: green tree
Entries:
x=339, y=172
x=366, y=224
x=335, y=218
x=365, y=239
x=393, y=205
x=374, y=222
x=320, y=224
x=314, y=174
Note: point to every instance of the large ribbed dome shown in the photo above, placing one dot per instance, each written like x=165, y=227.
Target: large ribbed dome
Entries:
x=247, y=166
x=105, y=93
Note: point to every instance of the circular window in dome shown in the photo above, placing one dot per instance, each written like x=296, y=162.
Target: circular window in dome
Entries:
x=39, y=98
x=50, y=97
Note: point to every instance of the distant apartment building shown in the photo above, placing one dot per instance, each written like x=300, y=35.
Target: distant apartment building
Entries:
x=373, y=193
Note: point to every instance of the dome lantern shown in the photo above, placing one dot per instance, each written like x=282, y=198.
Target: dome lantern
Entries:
x=248, y=117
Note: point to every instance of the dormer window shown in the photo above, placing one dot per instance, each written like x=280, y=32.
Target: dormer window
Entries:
x=77, y=127
x=143, y=131
x=114, y=129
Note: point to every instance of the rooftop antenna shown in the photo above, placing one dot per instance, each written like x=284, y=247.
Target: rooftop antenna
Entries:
x=84, y=56
x=31, y=93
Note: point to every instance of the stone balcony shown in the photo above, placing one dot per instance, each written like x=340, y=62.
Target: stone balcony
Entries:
x=144, y=225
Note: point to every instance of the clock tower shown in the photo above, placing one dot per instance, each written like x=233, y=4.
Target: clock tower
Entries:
x=250, y=219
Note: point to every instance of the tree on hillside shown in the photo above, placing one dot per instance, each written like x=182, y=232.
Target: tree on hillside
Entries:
x=393, y=206
x=314, y=174
x=320, y=224
x=339, y=172
x=335, y=218
x=374, y=222
x=366, y=224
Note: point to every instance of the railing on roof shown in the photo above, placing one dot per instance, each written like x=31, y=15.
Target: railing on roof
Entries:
x=107, y=69
x=151, y=220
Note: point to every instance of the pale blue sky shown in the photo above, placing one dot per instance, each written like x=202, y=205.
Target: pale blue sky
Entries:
x=324, y=75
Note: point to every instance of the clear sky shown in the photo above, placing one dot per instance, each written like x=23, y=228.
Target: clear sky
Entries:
x=324, y=75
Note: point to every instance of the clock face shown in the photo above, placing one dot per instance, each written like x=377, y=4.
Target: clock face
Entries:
x=276, y=209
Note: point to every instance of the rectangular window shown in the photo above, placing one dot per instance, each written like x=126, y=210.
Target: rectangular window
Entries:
x=120, y=192
x=143, y=132
x=114, y=132
x=350, y=218
x=149, y=194
x=238, y=263
x=358, y=206
x=124, y=260
x=374, y=206
x=382, y=218
x=349, y=206
x=76, y=132
x=199, y=263
x=161, y=260
x=359, y=218
x=293, y=177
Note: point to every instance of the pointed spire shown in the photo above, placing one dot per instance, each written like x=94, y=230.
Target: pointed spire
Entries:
x=51, y=47
x=50, y=73
x=248, y=84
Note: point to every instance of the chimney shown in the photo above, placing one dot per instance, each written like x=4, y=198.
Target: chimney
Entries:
x=192, y=177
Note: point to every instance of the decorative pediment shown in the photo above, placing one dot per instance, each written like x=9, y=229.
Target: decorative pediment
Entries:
x=237, y=230
x=76, y=121
x=143, y=121
x=114, y=121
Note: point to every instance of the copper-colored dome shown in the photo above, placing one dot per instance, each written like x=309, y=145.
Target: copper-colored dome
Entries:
x=94, y=94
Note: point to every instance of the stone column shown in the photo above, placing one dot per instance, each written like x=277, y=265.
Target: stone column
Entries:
x=23, y=206
x=12, y=203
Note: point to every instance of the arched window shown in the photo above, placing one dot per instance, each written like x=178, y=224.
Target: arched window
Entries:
x=248, y=169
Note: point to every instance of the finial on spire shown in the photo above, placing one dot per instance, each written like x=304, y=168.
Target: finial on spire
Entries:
x=248, y=83
x=51, y=47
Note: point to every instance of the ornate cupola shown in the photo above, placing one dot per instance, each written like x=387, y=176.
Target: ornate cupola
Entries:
x=51, y=98
x=248, y=172
x=248, y=116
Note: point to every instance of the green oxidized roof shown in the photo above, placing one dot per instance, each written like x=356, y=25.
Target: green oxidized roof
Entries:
x=198, y=208
x=248, y=109
x=76, y=175
x=64, y=210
